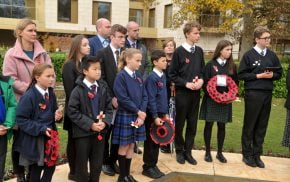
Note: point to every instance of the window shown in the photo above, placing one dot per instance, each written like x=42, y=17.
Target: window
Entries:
x=210, y=20
x=67, y=11
x=101, y=10
x=151, y=18
x=136, y=15
x=17, y=8
x=168, y=16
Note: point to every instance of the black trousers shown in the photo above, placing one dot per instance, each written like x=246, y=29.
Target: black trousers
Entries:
x=110, y=153
x=17, y=169
x=151, y=149
x=256, y=117
x=89, y=149
x=35, y=173
x=3, y=151
x=187, y=107
x=71, y=152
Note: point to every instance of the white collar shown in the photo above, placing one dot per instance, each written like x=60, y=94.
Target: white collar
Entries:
x=132, y=42
x=221, y=61
x=89, y=84
x=187, y=46
x=114, y=49
x=41, y=90
x=101, y=38
x=130, y=72
x=159, y=73
x=259, y=50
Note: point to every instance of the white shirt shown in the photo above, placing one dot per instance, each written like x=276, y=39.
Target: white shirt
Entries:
x=114, y=50
x=159, y=73
x=132, y=42
x=221, y=62
x=89, y=84
x=41, y=90
x=259, y=50
x=187, y=47
x=130, y=72
x=102, y=39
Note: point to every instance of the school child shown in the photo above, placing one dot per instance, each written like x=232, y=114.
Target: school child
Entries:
x=35, y=115
x=132, y=100
x=286, y=136
x=7, y=117
x=185, y=71
x=89, y=109
x=259, y=67
x=157, y=109
x=211, y=111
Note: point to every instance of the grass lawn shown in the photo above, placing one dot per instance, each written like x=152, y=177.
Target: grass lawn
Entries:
x=272, y=144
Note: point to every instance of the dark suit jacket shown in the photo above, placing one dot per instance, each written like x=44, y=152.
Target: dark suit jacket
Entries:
x=108, y=66
x=287, y=104
x=95, y=45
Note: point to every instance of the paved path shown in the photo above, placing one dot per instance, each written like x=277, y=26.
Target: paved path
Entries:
x=277, y=169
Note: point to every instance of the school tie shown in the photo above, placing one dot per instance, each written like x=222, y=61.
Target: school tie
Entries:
x=117, y=52
x=46, y=96
x=192, y=49
x=223, y=63
x=134, y=75
x=93, y=88
x=262, y=53
x=133, y=45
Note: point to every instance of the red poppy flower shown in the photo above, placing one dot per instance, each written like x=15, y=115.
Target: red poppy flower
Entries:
x=42, y=106
x=215, y=68
x=187, y=60
x=159, y=84
x=91, y=95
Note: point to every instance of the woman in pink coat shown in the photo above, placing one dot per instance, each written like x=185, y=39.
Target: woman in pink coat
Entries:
x=18, y=63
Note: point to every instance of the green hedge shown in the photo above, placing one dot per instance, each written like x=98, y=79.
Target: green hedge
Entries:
x=280, y=90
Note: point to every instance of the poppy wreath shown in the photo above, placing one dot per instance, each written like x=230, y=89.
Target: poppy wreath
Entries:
x=164, y=134
x=222, y=98
x=51, y=149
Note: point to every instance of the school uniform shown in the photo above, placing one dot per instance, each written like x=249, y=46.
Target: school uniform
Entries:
x=187, y=63
x=33, y=120
x=83, y=112
x=132, y=97
x=69, y=76
x=286, y=136
x=258, y=97
x=8, y=102
x=156, y=89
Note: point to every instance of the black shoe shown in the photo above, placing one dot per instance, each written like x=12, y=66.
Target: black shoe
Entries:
x=124, y=179
x=165, y=149
x=259, y=162
x=108, y=170
x=151, y=173
x=137, y=150
x=208, y=157
x=72, y=177
x=158, y=170
x=180, y=158
x=116, y=168
x=249, y=161
x=131, y=178
x=221, y=157
x=21, y=178
x=188, y=157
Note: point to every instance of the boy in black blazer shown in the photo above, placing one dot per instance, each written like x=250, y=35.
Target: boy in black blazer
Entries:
x=88, y=102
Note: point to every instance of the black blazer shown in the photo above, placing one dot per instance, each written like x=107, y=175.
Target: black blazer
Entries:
x=108, y=66
x=69, y=77
x=287, y=103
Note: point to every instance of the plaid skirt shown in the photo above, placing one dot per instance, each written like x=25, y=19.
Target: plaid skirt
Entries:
x=286, y=137
x=123, y=133
x=211, y=111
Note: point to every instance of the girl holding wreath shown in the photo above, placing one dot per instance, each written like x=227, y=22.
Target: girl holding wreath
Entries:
x=212, y=110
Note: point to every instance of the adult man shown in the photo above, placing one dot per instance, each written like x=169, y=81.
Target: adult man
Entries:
x=101, y=40
x=109, y=57
x=186, y=71
x=132, y=41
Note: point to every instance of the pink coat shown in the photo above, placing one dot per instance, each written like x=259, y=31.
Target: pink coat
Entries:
x=19, y=66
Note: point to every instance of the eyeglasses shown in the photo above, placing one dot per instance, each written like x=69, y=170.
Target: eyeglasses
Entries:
x=266, y=38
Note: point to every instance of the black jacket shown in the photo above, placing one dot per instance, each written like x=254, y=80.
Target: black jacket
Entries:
x=287, y=103
x=80, y=109
x=69, y=77
x=108, y=66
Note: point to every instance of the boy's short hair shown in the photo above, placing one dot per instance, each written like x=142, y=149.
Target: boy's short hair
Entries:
x=118, y=28
x=189, y=25
x=87, y=61
x=258, y=32
x=157, y=54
